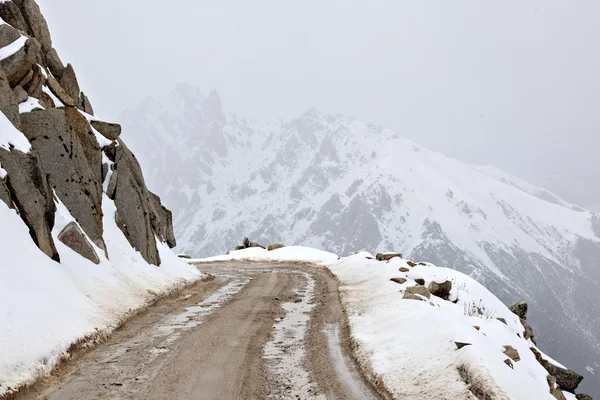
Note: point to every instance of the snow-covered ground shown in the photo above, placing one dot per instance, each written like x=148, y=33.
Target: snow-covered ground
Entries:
x=45, y=306
x=409, y=345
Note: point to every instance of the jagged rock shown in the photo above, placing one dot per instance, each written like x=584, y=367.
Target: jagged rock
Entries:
x=133, y=205
x=20, y=94
x=11, y=14
x=567, y=380
x=5, y=194
x=34, y=87
x=32, y=196
x=68, y=81
x=398, y=280
x=276, y=246
x=512, y=353
x=8, y=103
x=54, y=63
x=8, y=34
x=108, y=130
x=528, y=331
x=509, y=363
x=162, y=221
x=460, y=345
x=520, y=309
x=582, y=396
x=19, y=64
x=441, y=289
x=554, y=389
x=46, y=101
x=70, y=154
x=86, y=106
x=420, y=281
x=411, y=292
x=404, y=269
x=387, y=256
x=59, y=92
x=37, y=24
x=75, y=239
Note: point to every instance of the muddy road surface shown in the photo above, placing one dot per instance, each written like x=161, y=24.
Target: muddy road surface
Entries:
x=257, y=331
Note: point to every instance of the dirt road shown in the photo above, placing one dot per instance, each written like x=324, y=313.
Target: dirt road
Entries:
x=257, y=331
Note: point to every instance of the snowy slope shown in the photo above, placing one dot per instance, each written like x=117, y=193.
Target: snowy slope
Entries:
x=333, y=182
x=47, y=306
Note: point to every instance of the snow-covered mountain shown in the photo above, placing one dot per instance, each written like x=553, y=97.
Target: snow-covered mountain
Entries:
x=339, y=184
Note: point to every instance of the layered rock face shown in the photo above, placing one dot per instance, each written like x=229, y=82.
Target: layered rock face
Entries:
x=73, y=153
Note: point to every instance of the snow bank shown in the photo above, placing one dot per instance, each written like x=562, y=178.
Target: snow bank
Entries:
x=291, y=253
x=409, y=345
x=46, y=306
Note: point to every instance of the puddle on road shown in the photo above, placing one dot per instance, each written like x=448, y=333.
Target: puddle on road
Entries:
x=286, y=352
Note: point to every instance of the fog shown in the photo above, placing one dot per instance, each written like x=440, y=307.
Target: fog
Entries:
x=514, y=83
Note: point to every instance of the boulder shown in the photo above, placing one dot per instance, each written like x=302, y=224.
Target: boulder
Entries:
x=19, y=64
x=68, y=81
x=398, y=280
x=8, y=103
x=276, y=246
x=420, y=281
x=440, y=289
x=46, y=101
x=411, y=264
x=411, y=292
x=404, y=269
x=512, y=353
x=520, y=309
x=37, y=24
x=554, y=389
x=59, y=92
x=11, y=14
x=70, y=154
x=75, y=239
x=387, y=256
x=38, y=80
x=528, y=331
x=565, y=378
x=134, y=210
x=20, y=94
x=162, y=221
x=54, y=63
x=108, y=130
x=582, y=396
x=86, y=106
x=8, y=34
x=28, y=185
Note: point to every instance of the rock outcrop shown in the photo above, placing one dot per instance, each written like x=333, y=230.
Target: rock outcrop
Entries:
x=65, y=161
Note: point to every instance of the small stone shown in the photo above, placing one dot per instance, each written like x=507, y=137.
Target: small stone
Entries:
x=410, y=263
x=420, y=281
x=404, y=269
x=509, y=363
x=387, y=256
x=476, y=327
x=398, y=280
x=502, y=320
x=460, y=345
x=512, y=353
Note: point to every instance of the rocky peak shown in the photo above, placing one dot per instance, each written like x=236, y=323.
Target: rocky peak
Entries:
x=72, y=157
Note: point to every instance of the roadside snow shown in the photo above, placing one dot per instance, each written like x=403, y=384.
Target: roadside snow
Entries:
x=409, y=345
x=45, y=306
x=291, y=253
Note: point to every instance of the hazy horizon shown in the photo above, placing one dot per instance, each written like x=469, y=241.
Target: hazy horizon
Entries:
x=512, y=85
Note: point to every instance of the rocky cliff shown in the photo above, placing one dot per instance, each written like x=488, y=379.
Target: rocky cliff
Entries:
x=72, y=156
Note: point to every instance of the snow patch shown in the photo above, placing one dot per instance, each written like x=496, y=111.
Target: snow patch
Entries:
x=9, y=135
x=11, y=49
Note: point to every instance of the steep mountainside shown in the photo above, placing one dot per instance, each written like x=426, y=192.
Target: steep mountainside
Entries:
x=79, y=230
x=335, y=183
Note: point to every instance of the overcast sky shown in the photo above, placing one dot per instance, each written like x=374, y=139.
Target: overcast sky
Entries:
x=511, y=83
